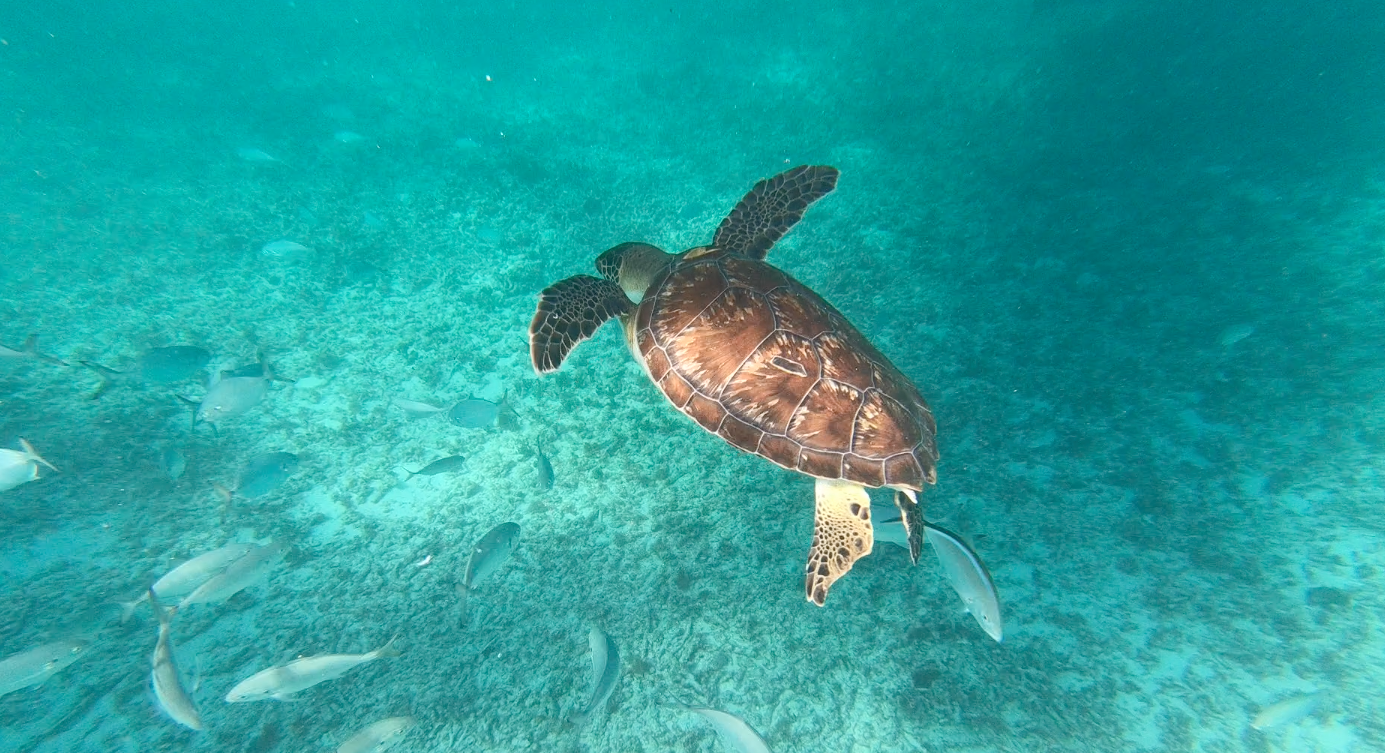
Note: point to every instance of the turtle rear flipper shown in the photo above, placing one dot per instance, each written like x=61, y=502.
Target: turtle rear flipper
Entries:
x=772, y=207
x=842, y=534
x=912, y=517
x=569, y=312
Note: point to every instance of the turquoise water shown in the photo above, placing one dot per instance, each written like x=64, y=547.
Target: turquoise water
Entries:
x=1133, y=256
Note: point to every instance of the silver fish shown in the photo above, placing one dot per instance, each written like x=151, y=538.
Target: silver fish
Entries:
x=969, y=578
x=887, y=525
x=605, y=671
x=239, y=575
x=1232, y=335
x=545, y=468
x=1287, y=711
x=733, y=731
x=285, y=249
x=28, y=350
x=187, y=577
x=281, y=683
x=490, y=553
x=168, y=686
x=28, y=668
x=251, y=154
x=264, y=473
x=441, y=465
x=20, y=466
x=378, y=737
x=474, y=413
x=175, y=463
x=415, y=408
x=230, y=397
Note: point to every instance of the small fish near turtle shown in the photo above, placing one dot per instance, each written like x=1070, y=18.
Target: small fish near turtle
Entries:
x=475, y=413
x=283, y=683
x=174, y=463
x=450, y=464
x=543, y=466
x=416, y=408
x=20, y=466
x=764, y=362
x=492, y=551
x=961, y=565
x=32, y=667
x=234, y=392
x=167, y=365
x=264, y=473
x=28, y=351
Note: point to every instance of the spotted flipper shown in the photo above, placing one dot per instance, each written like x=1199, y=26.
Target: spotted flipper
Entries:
x=911, y=515
x=772, y=207
x=569, y=312
x=841, y=535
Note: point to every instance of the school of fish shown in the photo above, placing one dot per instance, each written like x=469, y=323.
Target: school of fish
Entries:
x=217, y=575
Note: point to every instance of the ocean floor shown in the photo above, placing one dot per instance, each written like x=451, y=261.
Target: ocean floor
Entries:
x=1160, y=424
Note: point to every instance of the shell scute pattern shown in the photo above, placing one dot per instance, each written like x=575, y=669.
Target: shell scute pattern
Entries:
x=757, y=358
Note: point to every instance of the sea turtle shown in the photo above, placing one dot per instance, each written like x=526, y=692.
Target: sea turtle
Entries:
x=757, y=358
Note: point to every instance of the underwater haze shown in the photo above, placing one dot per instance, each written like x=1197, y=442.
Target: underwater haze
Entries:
x=281, y=259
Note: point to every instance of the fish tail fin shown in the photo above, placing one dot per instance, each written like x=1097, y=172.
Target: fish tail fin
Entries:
x=270, y=376
x=165, y=615
x=34, y=456
x=388, y=650
x=195, y=405
x=671, y=701
x=105, y=372
x=127, y=609
x=227, y=497
x=31, y=350
x=464, y=592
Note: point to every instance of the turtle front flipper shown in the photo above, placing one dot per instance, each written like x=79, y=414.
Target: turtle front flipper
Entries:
x=569, y=312
x=911, y=515
x=772, y=207
x=841, y=535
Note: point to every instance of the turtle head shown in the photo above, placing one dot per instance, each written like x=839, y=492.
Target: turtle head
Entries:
x=633, y=266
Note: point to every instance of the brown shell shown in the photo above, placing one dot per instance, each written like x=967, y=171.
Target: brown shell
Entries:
x=755, y=357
